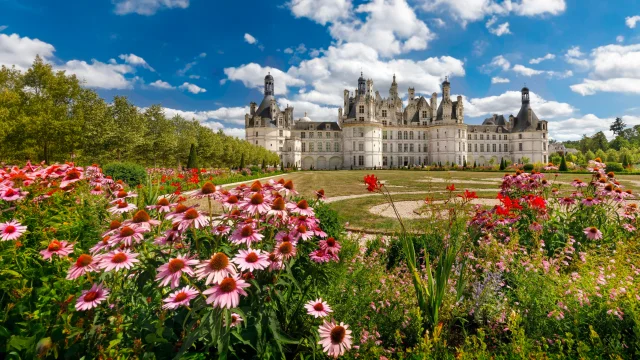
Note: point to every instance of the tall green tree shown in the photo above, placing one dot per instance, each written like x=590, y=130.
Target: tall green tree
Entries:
x=618, y=126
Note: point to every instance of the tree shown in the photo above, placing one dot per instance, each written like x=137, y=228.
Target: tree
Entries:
x=600, y=141
x=502, y=167
x=563, y=164
x=242, y=162
x=625, y=162
x=525, y=160
x=618, y=126
x=264, y=165
x=191, y=163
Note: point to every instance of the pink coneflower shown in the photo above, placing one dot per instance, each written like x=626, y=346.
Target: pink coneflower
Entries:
x=278, y=208
x=589, y=201
x=318, y=308
x=128, y=234
x=215, y=269
x=283, y=236
x=83, y=264
x=73, y=175
x=285, y=250
x=142, y=219
x=208, y=190
x=179, y=298
x=535, y=226
x=320, y=256
x=275, y=262
x=629, y=227
x=122, y=207
x=255, y=204
x=122, y=195
x=302, y=208
x=250, y=260
x=227, y=293
x=103, y=244
x=330, y=245
x=288, y=189
x=221, y=229
x=317, y=231
x=235, y=320
x=334, y=338
x=320, y=194
x=567, y=201
x=171, y=272
x=192, y=217
x=90, y=299
x=245, y=234
x=60, y=248
x=117, y=260
x=593, y=233
x=11, y=230
x=230, y=202
x=11, y=194
x=162, y=206
x=302, y=232
x=97, y=190
x=114, y=228
x=178, y=212
x=578, y=183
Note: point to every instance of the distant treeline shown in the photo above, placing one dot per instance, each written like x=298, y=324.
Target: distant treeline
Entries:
x=47, y=115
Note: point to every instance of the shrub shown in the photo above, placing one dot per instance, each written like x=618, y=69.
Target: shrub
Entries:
x=255, y=169
x=563, y=164
x=614, y=166
x=192, y=162
x=132, y=174
x=527, y=167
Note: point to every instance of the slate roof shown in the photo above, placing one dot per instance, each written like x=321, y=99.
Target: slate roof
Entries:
x=317, y=125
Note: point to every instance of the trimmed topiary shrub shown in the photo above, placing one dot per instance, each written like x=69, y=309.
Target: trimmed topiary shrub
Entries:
x=563, y=164
x=614, y=166
x=130, y=173
x=527, y=167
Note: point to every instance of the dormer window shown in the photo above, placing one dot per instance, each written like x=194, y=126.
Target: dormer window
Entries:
x=361, y=109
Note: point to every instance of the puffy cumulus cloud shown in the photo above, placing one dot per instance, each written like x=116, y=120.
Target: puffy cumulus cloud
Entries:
x=21, y=51
x=252, y=76
x=541, y=59
x=563, y=130
x=510, y=103
x=499, y=30
x=313, y=111
x=229, y=115
x=192, y=88
x=473, y=10
x=135, y=60
x=161, y=85
x=619, y=38
x=525, y=71
x=321, y=11
x=391, y=27
x=499, y=80
x=250, y=39
x=498, y=62
x=100, y=75
x=575, y=56
x=614, y=68
x=147, y=7
x=631, y=21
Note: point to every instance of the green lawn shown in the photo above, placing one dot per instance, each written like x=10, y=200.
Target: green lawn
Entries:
x=408, y=185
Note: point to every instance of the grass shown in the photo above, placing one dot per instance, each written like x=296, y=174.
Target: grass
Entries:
x=408, y=185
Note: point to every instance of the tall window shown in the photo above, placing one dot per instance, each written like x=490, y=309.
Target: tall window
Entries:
x=519, y=136
x=494, y=147
x=481, y=147
x=506, y=147
x=384, y=135
x=520, y=146
x=399, y=135
x=405, y=135
x=304, y=147
x=481, y=136
x=493, y=137
x=406, y=147
x=410, y=135
x=281, y=132
x=384, y=147
x=361, y=109
x=424, y=113
x=303, y=135
x=476, y=148
x=384, y=113
x=361, y=160
x=360, y=146
x=411, y=147
x=328, y=146
x=336, y=146
x=310, y=147
x=310, y=134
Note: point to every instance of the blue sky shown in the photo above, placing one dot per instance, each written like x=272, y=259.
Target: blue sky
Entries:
x=207, y=59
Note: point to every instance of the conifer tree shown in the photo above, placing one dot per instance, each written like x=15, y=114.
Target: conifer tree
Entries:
x=242, y=162
x=563, y=164
x=192, y=163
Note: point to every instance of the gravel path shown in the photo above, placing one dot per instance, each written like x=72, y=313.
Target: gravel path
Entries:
x=407, y=209
x=358, y=196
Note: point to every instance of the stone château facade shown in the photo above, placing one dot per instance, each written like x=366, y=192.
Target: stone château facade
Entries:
x=373, y=131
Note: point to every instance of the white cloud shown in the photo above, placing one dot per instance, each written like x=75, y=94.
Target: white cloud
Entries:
x=619, y=38
x=510, y=103
x=391, y=27
x=437, y=22
x=631, y=21
x=479, y=47
x=288, y=51
x=576, y=57
x=474, y=10
x=3, y=27
x=499, y=80
x=563, y=130
x=192, y=88
x=232, y=115
x=314, y=111
x=135, y=60
x=161, y=85
x=100, y=75
x=250, y=39
x=523, y=70
x=194, y=76
x=147, y=7
x=614, y=68
x=499, y=30
x=21, y=51
x=202, y=55
x=321, y=11
x=541, y=59
x=499, y=62
x=252, y=76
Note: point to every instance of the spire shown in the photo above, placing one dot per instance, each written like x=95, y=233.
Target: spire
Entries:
x=394, y=79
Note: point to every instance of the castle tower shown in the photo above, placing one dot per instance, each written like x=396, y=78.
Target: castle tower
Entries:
x=393, y=91
x=268, y=85
x=361, y=85
x=446, y=89
x=412, y=93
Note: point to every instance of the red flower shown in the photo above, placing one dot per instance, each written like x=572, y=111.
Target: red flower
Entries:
x=451, y=187
x=468, y=195
x=372, y=182
x=537, y=202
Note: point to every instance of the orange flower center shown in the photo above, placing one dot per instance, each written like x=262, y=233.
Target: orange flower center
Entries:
x=303, y=204
x=219, y=262
x=227, y=285
x=208, y=188
x=285, y=248
x=181, y=208
x=235, y=213
x=122, y=194
x=122, y=204
x=114, y=225
x=119, y=258
x=331, y=242
x=246, y=231
x=191, y=214
x=251, y=258
x=140, y=217
x=73, y=174
x=127, y=231
x=337, y=334
x=278, y=204
x=302, y=229
x=257, y=199
x=232, y=199
x=90, y=296
x=84, y=260
x=54, y=245
x=163, y=202
x=318, y=307
x=593, y=230
x=256, y=186
x=176, y=265
x=10, y=229
x=288, y=185
x=181, y=296
x=97, y=188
